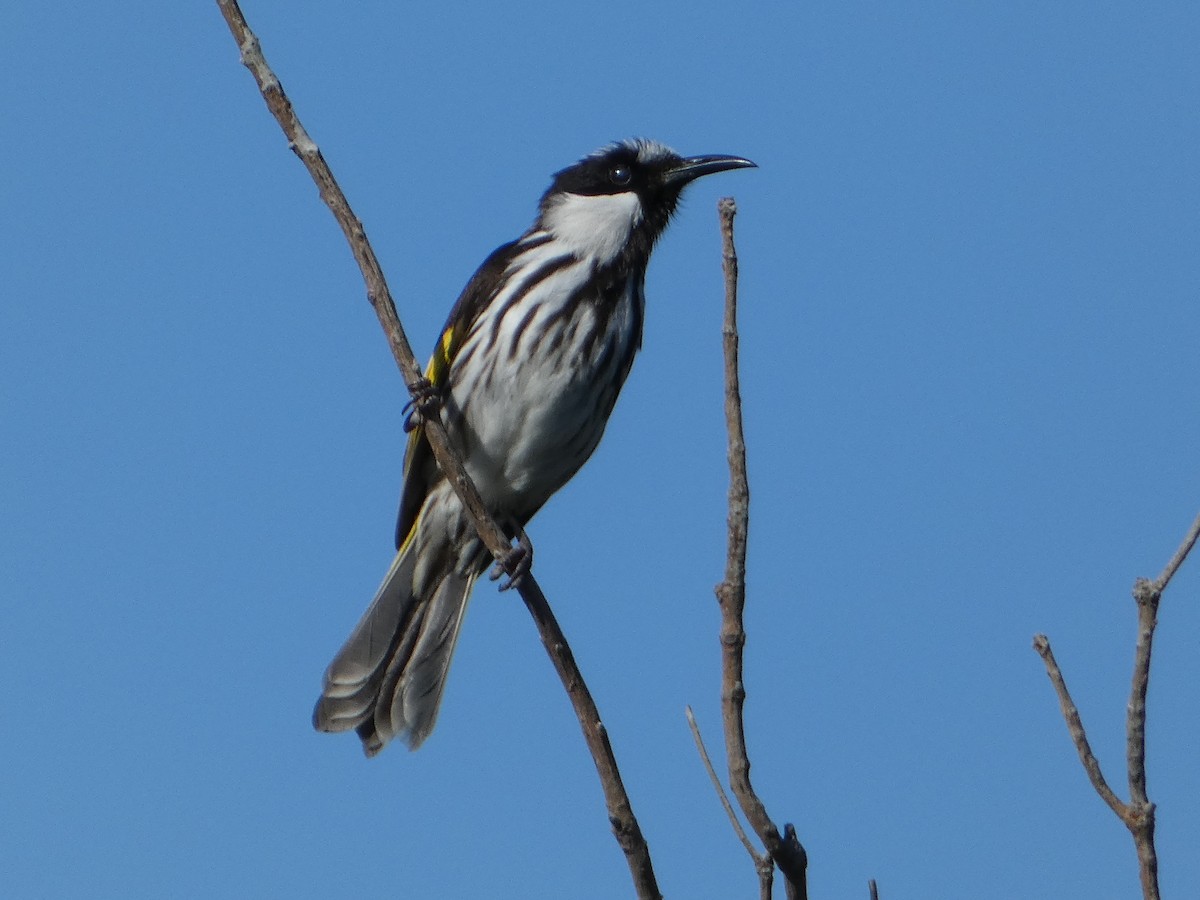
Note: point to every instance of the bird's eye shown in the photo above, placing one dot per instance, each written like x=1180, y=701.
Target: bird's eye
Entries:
x=620, y=175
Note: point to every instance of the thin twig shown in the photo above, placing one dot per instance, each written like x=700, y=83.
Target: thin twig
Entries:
x=624, y=823
x=1139, y=813
x=720, y=788
x=789, y=855
x=1180, y=555
x=763, y=864
x=874, y=889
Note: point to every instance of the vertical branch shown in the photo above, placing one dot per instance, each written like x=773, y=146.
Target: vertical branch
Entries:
x=620, y=812
x=1139, y=816
x=1141, y=812
x=1138, y=813
x=787, y=852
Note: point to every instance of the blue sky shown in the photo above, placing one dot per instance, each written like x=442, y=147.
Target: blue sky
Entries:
x=969, y=335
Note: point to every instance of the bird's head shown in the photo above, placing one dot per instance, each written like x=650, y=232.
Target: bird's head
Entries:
x=617, y=201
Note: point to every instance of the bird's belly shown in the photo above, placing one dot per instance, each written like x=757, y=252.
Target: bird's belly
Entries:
x=528, y=430
x=527, y=437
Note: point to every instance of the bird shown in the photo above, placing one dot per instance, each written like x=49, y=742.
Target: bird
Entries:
x=524, y=374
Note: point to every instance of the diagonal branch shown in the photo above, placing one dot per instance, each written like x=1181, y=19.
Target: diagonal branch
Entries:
x=763, y=864
x=1070, y=713
x=624, y=823
x=718, y=787
x=1181, y=554
x=786, y=851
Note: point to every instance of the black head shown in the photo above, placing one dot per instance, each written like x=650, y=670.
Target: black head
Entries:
x=644, y=180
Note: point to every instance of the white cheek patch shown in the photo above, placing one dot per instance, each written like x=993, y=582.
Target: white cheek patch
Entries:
x=594, y=226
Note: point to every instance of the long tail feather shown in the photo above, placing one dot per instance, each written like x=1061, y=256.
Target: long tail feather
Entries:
x=411, y=693
x=388, y=678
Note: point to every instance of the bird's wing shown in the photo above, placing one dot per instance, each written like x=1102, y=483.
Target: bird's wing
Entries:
x=420, y=468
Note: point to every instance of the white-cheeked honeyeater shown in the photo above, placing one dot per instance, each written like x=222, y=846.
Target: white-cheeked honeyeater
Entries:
x=526, y=373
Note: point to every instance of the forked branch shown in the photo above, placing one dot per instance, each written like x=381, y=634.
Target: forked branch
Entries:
x=1138, y=812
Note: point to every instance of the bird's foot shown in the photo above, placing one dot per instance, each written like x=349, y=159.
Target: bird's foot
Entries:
x=425, y=403
x=516, y=563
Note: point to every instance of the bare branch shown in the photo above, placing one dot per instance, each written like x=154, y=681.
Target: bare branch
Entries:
x=731, y=593
x=1146, y=597
x=624, y=823
x=1147, y=594
x=763, y=864
x=1180, y=555
x=874, y=889
x=378, y=293
x=1070, y=713
x=719, y=788
x=1139, y=813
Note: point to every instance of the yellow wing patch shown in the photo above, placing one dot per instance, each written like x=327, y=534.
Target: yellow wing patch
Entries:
x=439, y=363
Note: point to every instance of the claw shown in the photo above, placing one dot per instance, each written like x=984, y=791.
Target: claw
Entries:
x=425, y=402
x=517, y=562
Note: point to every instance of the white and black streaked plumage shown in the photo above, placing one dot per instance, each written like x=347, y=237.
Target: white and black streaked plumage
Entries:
x=528, y=368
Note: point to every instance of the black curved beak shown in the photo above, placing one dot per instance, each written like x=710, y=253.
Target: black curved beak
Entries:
x=697, y=166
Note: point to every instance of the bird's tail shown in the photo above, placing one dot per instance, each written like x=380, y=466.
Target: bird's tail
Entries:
x=387, y=679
